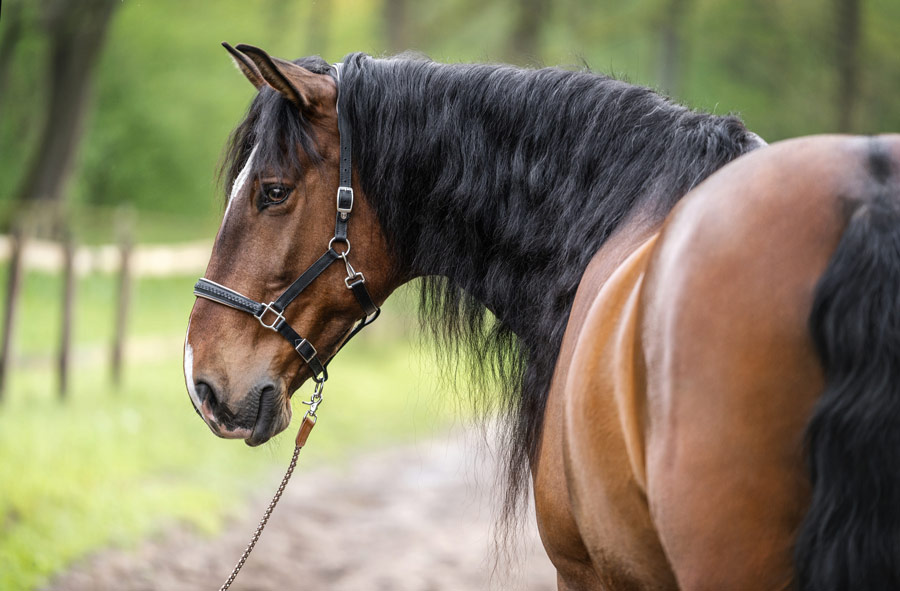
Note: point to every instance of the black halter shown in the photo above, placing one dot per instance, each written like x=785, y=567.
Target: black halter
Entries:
x=271, y=315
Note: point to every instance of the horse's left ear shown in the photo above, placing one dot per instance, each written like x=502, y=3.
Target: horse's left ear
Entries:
x=299, y=85
x=246, y=66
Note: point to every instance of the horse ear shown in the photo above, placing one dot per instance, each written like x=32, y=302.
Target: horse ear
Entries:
x=246, y=66
x=298, y=84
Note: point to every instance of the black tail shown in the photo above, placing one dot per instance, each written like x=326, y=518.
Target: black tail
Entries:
x=850, y=539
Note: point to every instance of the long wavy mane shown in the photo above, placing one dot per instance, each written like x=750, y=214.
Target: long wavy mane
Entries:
x=497, y=185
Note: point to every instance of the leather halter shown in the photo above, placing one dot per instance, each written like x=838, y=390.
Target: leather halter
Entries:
x=271, y=315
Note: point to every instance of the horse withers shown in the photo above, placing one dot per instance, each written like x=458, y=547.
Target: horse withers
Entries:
x=703, y=391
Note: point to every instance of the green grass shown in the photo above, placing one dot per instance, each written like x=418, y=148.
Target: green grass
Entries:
x=110, y=466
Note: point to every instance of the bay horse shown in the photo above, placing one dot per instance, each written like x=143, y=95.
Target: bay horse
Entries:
x=696, y=336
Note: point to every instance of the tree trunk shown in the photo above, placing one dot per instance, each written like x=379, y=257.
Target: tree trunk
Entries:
x=76, y=30
x=68, y=296
x=12, y=22
x=847, y=60
x=672, y=46
x=13, y=290
x=525, y=45
x=125, y=223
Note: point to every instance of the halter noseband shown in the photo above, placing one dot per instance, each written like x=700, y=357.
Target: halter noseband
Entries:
x=271, y=315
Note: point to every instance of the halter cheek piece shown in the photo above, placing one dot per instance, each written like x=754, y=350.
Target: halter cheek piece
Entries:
x=271, y=315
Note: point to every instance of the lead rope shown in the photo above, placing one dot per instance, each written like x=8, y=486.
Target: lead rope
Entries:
x=309, y=421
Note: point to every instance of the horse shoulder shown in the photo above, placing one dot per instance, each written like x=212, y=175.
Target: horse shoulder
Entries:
x=593, y=420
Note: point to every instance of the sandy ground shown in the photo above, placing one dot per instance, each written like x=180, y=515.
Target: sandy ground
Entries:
x=413, y=518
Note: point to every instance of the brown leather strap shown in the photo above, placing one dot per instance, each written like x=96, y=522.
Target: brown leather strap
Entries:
x=306, y=428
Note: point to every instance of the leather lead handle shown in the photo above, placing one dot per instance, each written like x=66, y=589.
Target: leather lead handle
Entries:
x=306, y=428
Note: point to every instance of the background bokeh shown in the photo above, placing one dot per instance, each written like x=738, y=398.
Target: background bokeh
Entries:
x=113, y=115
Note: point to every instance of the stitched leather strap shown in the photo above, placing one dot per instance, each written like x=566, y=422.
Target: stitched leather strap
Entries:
x=211, y=290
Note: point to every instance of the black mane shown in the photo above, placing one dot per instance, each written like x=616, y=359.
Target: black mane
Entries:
x=498, y=185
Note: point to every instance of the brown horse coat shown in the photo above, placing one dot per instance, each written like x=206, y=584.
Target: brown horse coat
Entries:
x=673, y=433
x=690, y=389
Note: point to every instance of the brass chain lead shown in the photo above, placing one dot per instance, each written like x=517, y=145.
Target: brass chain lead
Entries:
x=306, y=425
x=263, y=521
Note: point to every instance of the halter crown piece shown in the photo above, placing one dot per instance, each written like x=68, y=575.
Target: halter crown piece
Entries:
x=271, y=315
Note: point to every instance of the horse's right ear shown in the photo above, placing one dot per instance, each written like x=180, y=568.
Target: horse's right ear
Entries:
x=246, y=66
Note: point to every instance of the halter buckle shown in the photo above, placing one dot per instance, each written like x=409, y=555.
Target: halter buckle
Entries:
x=306, y=350
x=344, y=201
x=270, y=307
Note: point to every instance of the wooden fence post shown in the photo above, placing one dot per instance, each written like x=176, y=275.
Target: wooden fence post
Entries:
x=13, y=287
x=65, y=343
x=125, y=248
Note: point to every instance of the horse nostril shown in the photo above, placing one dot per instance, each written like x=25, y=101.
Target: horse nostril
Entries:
x=205, y=393
x=202, y=390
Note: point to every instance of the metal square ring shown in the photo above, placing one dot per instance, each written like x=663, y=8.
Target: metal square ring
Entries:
x=356, y=278
x=270, y=307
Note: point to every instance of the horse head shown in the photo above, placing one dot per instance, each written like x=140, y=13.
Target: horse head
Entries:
x=288, y=203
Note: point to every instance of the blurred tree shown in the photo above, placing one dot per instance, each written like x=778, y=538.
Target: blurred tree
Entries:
x=12, y=21
x=156, y=129
x=525, y=44
x=76, y=31
x=672, y=46
x=847, y=60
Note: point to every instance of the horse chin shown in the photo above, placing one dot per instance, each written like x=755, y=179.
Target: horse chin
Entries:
x=268, y=425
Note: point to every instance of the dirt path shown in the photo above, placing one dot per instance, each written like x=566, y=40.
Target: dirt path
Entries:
x=413, y=518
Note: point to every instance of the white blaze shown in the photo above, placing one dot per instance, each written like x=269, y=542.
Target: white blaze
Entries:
x=189, y=368
x=236, y=190
x=240, y=181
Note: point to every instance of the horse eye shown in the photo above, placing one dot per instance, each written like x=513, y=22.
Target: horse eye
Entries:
x=273, y=193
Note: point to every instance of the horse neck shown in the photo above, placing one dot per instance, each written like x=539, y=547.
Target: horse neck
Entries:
x=508, y=189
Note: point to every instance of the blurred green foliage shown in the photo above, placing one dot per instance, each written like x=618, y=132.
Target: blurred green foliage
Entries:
x=167, y=94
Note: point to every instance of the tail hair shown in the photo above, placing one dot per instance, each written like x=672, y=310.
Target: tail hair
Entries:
x=850, y=538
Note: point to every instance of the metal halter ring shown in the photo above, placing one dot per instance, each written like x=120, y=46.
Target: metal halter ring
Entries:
x=345, y=241
x=270, y=307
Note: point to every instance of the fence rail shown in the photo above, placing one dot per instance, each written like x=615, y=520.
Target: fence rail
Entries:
x=150, y=260
x=128, y=261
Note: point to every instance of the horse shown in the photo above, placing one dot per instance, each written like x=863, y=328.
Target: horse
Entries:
x=695, y=335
